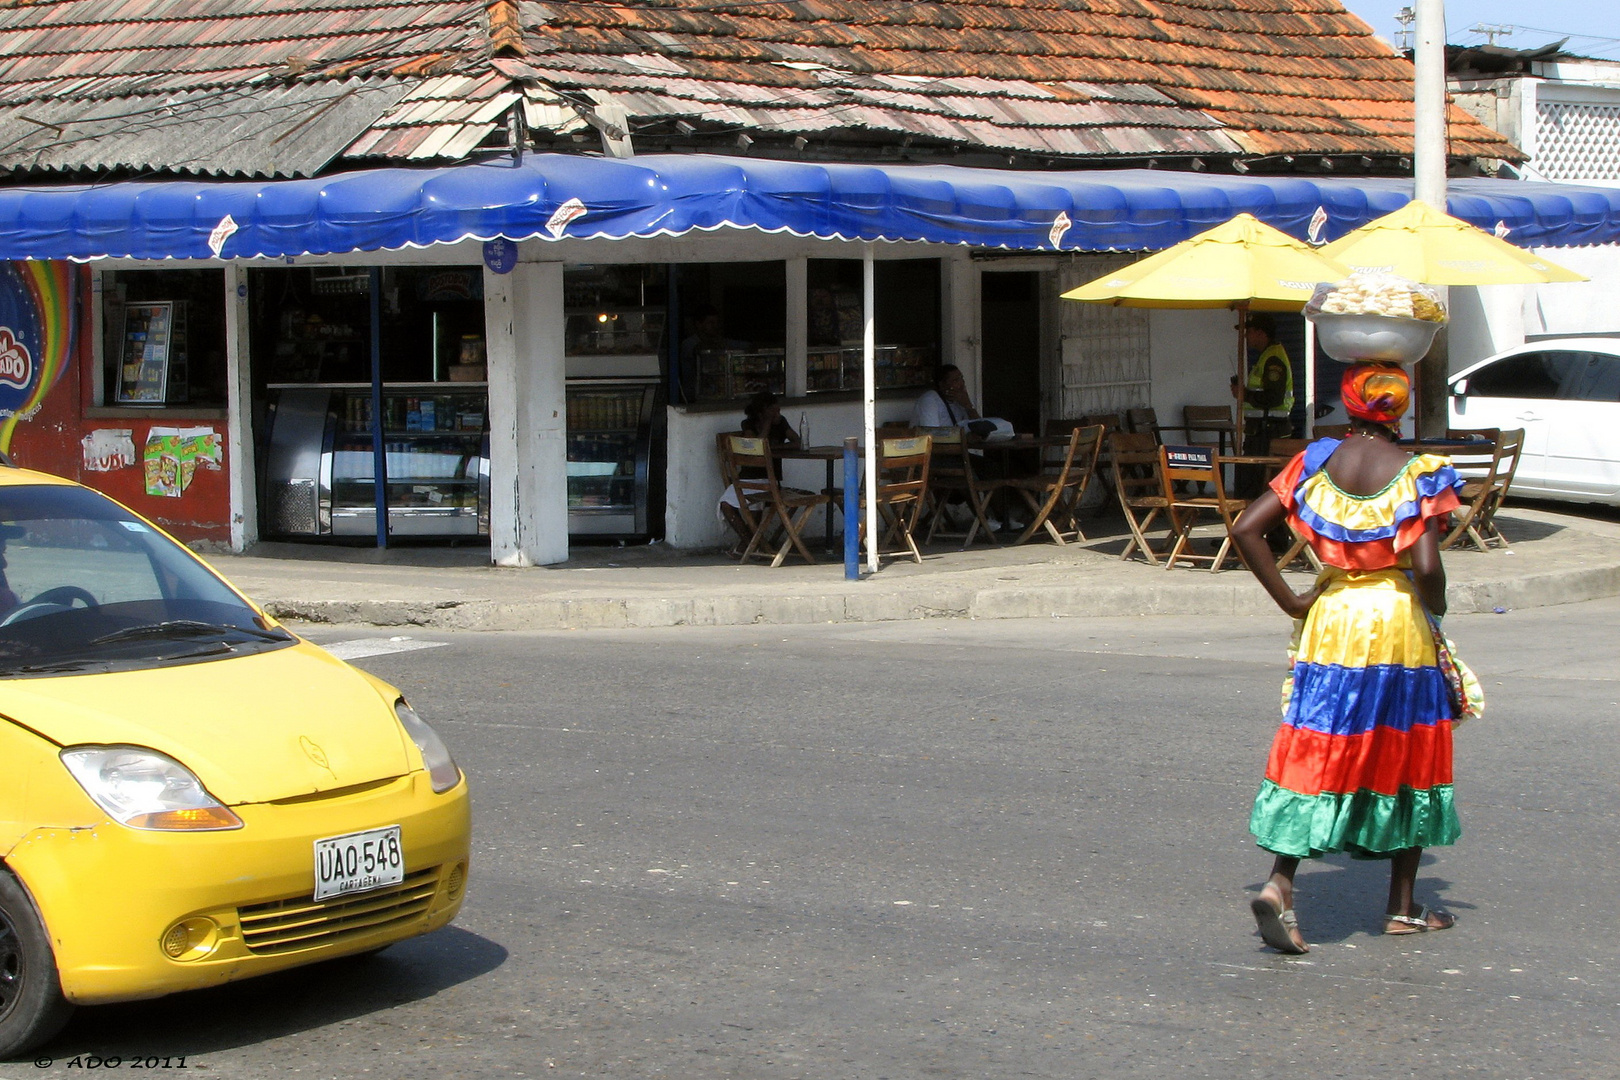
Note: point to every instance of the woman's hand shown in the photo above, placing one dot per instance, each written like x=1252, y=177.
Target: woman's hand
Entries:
x=1301, y=604
x=1264, y=514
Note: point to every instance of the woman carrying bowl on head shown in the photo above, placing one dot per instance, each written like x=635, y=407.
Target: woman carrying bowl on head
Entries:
x=1362, y=761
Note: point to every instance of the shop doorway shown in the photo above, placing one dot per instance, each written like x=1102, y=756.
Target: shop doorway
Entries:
x=1010, y=329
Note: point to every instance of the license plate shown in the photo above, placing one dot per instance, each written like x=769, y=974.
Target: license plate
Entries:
x=358, y=862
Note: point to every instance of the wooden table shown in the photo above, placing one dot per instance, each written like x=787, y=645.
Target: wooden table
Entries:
x=1443, y=447
x=1007, y=447
x=832, y=455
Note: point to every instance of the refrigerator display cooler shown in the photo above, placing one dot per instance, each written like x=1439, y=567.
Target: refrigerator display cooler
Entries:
x=320, y=475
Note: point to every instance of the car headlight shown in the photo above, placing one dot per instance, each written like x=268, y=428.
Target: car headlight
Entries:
x=145, y=789
x=441, y=767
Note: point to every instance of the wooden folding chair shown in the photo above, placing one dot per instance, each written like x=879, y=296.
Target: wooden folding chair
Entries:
x=1287, y=448
x=902, y=492
x=1216, y=420
x=741, y=519
x=1139, y=485
x=1201, y=465
x=1487, y=473
x=1144, y=420
x=768, y=502
x=951, y=475
x=1110, y=423
x=1054, y=493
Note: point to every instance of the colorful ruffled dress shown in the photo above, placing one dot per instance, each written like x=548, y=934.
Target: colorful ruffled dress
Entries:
x=1362, y=762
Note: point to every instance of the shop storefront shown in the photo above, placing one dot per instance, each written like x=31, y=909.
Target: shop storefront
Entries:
x=246, y=371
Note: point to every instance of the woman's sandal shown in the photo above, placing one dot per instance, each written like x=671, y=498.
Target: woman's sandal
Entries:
x=1419, y=923
x=1278, y=926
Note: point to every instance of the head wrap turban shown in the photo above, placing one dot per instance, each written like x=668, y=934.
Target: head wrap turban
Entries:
x=1376, y=392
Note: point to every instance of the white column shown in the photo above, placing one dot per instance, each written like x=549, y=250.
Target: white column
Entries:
x=1429, y=104
x=798, y=325
x=528, y=450
x=869, y=396
x=239, y=413
x=961, y=315
x=1429, y=184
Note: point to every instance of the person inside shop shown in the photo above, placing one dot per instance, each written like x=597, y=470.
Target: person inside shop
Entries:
x=948, y=405
x=708, y=335
x=762, y=419
x=821, y=318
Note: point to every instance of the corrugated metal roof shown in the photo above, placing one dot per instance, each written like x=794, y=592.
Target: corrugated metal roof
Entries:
x=251, y=130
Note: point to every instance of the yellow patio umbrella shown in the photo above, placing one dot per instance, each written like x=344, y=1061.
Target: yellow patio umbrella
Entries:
x=1423, y=244
x=1243, y=263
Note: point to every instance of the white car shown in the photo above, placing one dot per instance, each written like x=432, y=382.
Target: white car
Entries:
x=1565, y=394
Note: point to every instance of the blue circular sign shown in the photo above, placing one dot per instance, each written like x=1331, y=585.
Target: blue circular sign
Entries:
x=500, y=255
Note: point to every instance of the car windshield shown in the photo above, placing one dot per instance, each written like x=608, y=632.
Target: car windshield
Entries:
x=86, y=586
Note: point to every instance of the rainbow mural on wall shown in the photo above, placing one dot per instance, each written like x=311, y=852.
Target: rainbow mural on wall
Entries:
x=37, y=333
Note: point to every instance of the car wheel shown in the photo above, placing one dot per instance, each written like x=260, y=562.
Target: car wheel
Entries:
x=32, y=1008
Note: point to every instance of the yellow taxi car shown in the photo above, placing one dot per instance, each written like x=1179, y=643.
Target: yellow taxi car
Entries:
x=189, y=793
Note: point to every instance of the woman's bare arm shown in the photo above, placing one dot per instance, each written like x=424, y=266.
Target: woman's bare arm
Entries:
x=1264, y=514
x=1428, y=574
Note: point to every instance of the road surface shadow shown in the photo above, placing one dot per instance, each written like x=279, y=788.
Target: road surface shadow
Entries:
x=1339, y=897
x=255, y=1010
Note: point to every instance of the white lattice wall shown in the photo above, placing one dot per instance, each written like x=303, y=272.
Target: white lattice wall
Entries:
x=1106, y=359
x=1577, y=141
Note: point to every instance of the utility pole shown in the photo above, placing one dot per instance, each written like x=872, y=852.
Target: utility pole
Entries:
x=1429, y=184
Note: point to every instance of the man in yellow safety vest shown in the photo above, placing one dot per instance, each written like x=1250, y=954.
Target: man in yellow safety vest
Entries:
x=1268, y=398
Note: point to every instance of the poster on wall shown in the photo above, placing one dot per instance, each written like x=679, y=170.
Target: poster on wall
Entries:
x=144, y=350
x=172, y=456
x=37, y=303
x=108, y=449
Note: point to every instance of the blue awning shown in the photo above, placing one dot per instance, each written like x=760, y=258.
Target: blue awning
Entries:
x=553, y=196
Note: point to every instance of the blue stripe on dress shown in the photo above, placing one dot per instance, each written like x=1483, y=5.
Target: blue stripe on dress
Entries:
x=1428, y=486
x=1339, y=700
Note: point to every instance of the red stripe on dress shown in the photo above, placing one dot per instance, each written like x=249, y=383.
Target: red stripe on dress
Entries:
x=1381, y=761
x=1377, y=554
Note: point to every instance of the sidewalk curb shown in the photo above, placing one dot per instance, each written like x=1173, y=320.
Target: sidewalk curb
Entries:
x=1237, y=595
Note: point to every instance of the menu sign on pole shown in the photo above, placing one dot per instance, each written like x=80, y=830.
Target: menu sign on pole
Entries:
x=147, y=341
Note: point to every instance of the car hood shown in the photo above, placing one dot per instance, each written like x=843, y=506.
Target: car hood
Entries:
x=256, y=728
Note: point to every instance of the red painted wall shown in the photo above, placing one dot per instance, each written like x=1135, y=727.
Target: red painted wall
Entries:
x=50, y=441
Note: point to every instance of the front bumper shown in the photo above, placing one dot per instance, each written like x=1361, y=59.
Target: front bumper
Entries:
x=109, y=894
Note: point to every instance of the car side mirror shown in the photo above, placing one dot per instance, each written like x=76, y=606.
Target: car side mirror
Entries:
x=1459, y=388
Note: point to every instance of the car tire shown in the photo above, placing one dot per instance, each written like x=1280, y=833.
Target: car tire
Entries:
x=32, y=1007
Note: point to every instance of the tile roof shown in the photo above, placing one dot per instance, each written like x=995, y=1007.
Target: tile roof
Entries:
x=114, y=84
x=1249, y=77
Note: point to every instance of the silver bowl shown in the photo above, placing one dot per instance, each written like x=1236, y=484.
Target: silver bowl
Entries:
x=1353, y=338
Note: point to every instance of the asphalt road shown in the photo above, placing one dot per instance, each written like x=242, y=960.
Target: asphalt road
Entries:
x=939, y=850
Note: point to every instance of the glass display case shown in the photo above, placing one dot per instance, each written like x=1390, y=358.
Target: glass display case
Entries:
x=321, y=478
x=609, y=447
x=839, y=367
x=727, y=374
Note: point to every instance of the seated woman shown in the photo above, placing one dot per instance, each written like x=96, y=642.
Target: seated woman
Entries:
x=762, y=419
